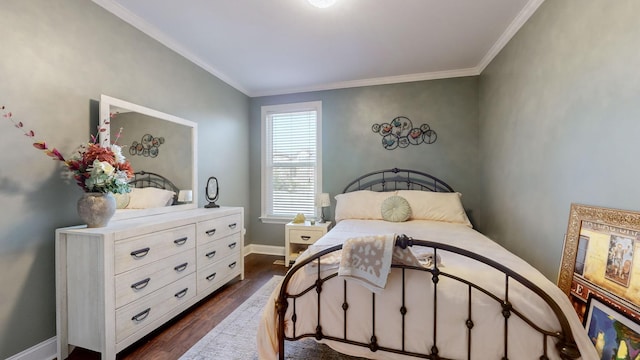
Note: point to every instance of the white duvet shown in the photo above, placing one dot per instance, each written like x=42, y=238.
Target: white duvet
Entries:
x=487, y=333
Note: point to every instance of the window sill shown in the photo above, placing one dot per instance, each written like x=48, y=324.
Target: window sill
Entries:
x=275, y=220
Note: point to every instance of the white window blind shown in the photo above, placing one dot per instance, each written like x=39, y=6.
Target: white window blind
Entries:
x=291, y=160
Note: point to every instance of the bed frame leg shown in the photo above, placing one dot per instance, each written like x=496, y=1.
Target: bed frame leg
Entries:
x=281, y=309
x=568, y=350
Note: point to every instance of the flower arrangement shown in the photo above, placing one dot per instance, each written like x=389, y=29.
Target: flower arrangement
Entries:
x=95, y=168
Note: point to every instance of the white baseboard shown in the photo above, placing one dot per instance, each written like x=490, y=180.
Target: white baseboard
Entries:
x=263, y=249
x=46, y=350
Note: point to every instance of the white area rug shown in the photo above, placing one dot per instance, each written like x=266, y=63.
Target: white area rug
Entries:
x=235, y=337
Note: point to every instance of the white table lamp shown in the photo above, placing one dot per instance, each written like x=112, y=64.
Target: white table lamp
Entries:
x=323, y=201
x=185, y=196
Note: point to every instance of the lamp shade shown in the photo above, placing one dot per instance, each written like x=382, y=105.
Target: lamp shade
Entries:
x=324, y=200
x=185, y=196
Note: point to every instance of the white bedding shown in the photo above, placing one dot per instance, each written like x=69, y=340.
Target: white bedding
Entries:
x=524, y=343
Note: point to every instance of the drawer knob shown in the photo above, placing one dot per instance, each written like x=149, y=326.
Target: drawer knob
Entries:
x=181, y=267
x=141, y=284
x=138, y=254
x=180, y=241
x=232, y=265
x=210, y=232
x=232, y=245
x=232, y=226
x=211, y=277
x=305, y=237
x=141, y=316
x=210, y=254
x=181, y=293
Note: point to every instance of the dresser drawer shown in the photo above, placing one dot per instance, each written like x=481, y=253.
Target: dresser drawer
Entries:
x=214, y=229
x=134, y=284
x=304, y=236
x=135, y=316
x=215, y=273
x=215, y=250
x=142, y=250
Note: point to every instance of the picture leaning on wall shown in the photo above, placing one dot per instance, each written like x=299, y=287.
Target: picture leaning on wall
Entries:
x=601, y=257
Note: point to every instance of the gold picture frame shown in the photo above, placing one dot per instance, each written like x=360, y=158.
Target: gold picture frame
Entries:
x=601, y=257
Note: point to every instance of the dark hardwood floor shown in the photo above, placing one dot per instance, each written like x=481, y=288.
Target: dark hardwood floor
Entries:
x=176, y=337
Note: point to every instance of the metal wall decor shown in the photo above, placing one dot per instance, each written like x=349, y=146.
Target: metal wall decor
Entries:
x=400, y=132
x=148, y=146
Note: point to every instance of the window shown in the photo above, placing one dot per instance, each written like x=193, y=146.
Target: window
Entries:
x=291, y=160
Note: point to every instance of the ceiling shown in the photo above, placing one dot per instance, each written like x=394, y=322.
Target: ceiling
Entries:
x=269, y=47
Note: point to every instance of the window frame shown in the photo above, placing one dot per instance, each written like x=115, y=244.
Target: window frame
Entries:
x=266, y=189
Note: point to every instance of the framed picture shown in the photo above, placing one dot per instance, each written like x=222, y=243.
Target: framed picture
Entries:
x=614, y=335
x=601, y=257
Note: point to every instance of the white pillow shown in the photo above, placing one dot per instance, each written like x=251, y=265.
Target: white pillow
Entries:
x=438, y=206
x=395, y=209
x=362, y=204
x=150, y=197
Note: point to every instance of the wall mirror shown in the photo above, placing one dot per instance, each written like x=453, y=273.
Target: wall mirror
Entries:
x=157, y=144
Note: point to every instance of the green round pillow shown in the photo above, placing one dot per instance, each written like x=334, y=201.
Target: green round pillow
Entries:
x=396, y=209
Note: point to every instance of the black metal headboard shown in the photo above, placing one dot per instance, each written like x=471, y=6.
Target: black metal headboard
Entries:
x=143, y=179
x=398, y=179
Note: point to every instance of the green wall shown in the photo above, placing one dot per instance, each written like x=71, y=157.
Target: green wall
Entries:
x=551, y=121
x=350, y=148
x=559, y=124
x=58, y=57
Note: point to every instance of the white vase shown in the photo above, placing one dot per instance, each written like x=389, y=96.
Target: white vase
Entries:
x=96, y=209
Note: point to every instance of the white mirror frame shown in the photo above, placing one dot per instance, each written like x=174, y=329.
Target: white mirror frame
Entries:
x=106, y=102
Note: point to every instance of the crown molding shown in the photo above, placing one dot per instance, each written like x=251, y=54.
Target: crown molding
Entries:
x=511, y=30
x=155, y=33
x=140, y=24
x=375, y=81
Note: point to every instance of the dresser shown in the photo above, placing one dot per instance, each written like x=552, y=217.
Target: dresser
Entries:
x=116, y=284
x=297, y=237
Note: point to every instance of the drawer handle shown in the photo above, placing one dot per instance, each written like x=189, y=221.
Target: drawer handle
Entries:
x=181, y=293
x=141, y=284
x=211, y=277
x=232, y=265
x=210, y=254
x=232, y=226
x=138, y=254
x=143, y=315
x=180, y=241
x=232, y=245
x=181, y=267
x=210, y=232
x=305, y=238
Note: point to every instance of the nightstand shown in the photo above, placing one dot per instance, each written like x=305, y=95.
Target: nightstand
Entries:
x=299, y=236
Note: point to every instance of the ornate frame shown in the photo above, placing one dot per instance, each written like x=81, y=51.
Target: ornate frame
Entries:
x=604, y=221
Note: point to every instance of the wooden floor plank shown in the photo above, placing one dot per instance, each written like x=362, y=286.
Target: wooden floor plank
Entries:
x=176, y=337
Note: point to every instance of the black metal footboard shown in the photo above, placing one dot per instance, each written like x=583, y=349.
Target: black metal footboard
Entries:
x=563, y=337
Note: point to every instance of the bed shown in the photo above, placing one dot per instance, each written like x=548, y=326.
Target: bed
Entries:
x=466, y=297
x=148, y=190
